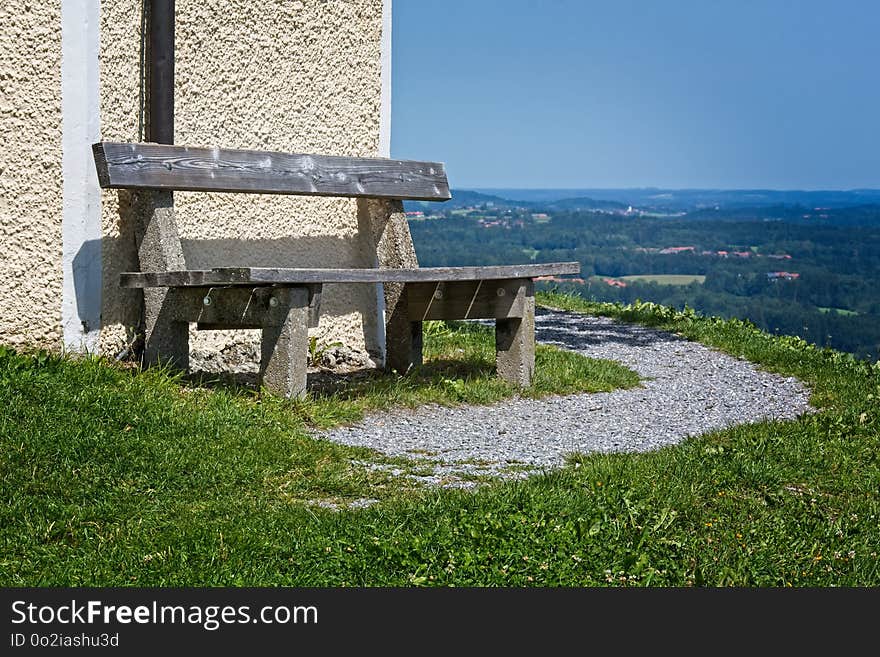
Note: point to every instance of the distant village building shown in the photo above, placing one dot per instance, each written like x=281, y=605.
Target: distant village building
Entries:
x=613, y=282
x=782, y=275
x=678, y=249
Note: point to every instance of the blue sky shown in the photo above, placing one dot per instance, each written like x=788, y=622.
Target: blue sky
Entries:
x=632, y=93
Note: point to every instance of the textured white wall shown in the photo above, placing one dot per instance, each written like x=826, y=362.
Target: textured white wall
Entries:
x=30, y=173
x=281, y=75
x=276, y=75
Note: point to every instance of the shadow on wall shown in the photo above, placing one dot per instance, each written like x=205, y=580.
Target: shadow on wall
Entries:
x=309, y=251
x=86, y=268
x=123, y=306
x=345, y=308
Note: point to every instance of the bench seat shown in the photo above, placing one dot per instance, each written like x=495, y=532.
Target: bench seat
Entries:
x=285, y=302
x=290, y=276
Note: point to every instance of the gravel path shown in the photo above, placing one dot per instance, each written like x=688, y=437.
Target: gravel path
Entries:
x=688, y=389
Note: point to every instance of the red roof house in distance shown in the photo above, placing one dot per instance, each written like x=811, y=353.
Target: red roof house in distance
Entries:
x=613, y=282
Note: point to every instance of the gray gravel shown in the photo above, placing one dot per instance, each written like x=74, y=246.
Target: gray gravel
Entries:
x=688, y=389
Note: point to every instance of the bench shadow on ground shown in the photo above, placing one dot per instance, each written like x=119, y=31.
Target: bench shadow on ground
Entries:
x=349, y=383
x=573, y=332
x=568, y=332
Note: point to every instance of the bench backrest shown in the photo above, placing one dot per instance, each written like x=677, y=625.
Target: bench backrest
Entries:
x=189, y=168
x=165, y=168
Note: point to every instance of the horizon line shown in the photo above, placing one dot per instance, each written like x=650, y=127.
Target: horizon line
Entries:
x=852, y=190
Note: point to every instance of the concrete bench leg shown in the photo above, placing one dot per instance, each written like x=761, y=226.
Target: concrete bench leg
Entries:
x=166, y=338
x=515, y=345
x=285, y=347
x=403, y=338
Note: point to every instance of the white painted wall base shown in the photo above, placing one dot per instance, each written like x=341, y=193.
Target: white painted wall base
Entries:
x=384, y=146
x=81, y=213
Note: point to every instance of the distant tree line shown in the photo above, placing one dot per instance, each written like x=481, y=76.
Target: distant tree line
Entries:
x=834, y=301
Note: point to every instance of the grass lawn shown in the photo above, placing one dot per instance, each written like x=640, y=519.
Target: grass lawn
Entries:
x=665, y=279
x=460, y=368
x=118, y=478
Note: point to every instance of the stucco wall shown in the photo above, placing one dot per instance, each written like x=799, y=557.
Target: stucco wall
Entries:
x=121, y=90
x=279, y=75
x=30, y=173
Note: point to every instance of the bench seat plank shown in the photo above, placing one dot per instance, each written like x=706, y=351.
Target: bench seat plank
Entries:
x=271, y=276
x=199, y=169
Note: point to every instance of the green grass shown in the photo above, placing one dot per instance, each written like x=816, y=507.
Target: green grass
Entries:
x=113, y=475
x=460, y=368
x=665, y=279
x=114, y=478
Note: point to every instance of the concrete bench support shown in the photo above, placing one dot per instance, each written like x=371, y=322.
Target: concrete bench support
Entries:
x=166, y=336
x=403, y=337
x=285, y=346
x=510, y=302
x=284, y=313
x=515, y=345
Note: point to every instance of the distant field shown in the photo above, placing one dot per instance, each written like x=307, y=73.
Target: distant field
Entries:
x=839, y=311
x=666, y=279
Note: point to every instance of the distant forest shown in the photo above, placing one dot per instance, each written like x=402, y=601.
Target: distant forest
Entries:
x=812, y=272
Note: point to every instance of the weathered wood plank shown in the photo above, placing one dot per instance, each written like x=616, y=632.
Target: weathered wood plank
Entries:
x=466, y=299
x=191, y=168
x=268, y=276
x=237, y=307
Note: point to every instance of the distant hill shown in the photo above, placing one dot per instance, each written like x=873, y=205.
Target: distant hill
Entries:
x=862, y=215
x=465, y=198
x=584, y=203
x=462, y=198
x=678, y=200
x=855, y=207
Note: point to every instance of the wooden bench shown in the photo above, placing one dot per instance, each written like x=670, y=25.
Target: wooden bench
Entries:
x=285, y=302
